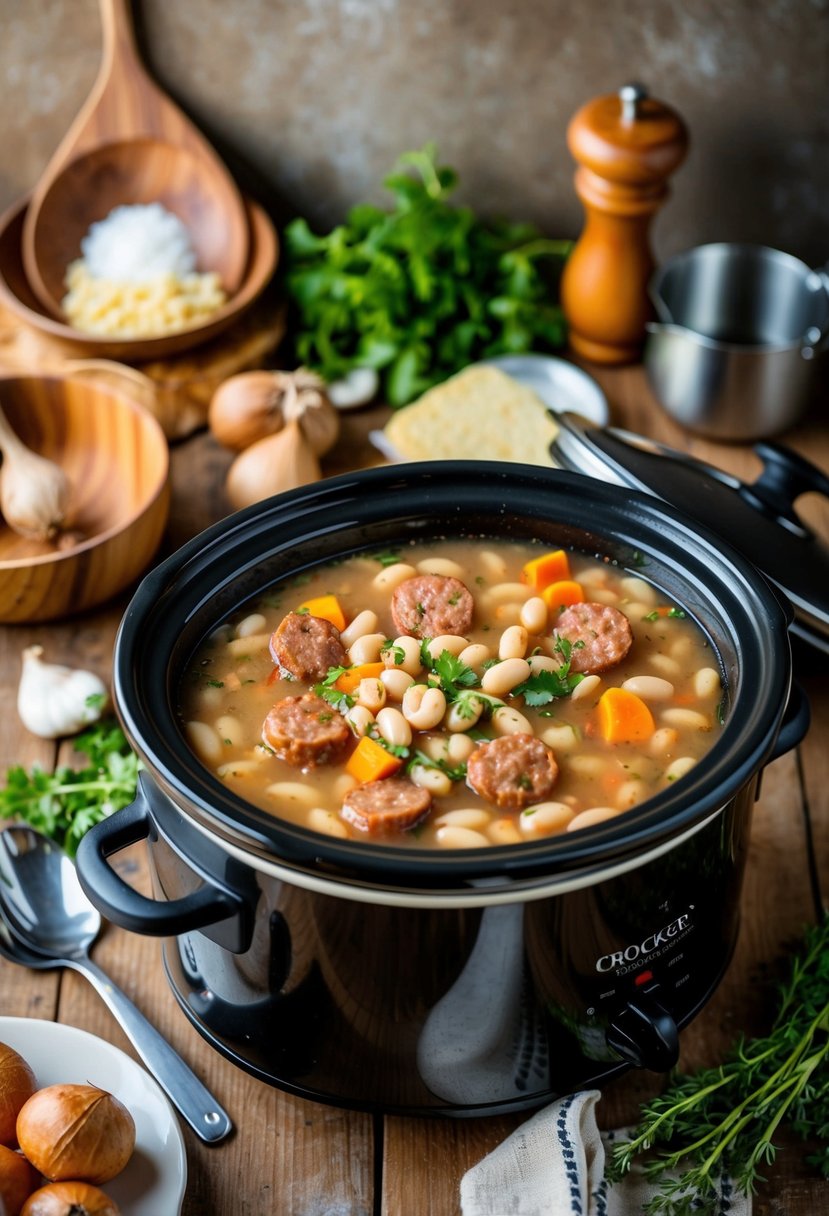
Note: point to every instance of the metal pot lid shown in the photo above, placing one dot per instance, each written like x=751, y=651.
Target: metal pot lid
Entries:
x=758, y=518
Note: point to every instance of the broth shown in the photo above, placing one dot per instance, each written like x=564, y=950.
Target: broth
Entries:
x=587, y=722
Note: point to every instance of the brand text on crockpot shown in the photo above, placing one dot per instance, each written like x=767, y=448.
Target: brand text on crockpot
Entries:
x=649, y=946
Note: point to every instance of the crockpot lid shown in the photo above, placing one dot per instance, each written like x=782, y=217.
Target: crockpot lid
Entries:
x=758, y=518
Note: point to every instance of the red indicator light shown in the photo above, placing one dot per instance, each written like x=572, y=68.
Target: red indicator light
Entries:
x=644, y=977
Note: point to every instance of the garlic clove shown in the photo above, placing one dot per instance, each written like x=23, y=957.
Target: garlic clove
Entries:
x=53, y=700
x=356, y=388
x=269, y=466
x=33, y=490
x=245, y=408
x=307, y=401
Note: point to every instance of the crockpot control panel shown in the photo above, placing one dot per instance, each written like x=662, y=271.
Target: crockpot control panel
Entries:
x=643, y=1032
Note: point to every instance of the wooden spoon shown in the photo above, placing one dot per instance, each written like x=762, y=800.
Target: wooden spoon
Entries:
x=131, y=144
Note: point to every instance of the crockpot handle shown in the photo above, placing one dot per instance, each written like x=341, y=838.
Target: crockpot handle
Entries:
x=795, y=723
x=124, y=906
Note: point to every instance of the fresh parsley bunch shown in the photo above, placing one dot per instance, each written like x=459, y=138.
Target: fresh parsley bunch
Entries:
x=420, y=291
x=728, y=1117
x=66, y=803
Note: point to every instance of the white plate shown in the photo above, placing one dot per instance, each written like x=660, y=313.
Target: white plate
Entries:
x=153, y=1182
x=561, y=385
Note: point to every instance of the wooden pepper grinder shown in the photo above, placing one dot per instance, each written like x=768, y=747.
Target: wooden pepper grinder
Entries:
x=627, y=144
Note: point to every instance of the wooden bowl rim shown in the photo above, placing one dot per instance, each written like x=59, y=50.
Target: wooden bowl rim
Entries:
x=264, y=251
x=157, y=490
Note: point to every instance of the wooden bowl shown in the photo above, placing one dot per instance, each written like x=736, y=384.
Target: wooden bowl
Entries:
x=17, y=295
x=116, y=458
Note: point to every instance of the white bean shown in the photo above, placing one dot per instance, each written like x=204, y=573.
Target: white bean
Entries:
x=293, y=791
x=395, y=682
x=363, y=623
x=441, y=565
x=561, y=738
x=343, y=785
x=508, y=614
x=545, y=818
x=451, y=837
x=631, y=793
x=321, y=820
x=663, y=663
x=533, y=615
x=604, y=595
x=503, y=831
x=504, y=593
x=432, y=779
x=230, y=730
x=359, y=718
x=411, y=655
x=635, y=610
x=452, y=642
x=685, y=719
x=371, y=694
x=210, y=698
x=596, y=814
x=707, y=682
x=458, y=720
x=663, y=740
x=507, y=721
x=460, y=748
x=543, y=662
x=393, y=576
x=394, y=728
x=436, y=747
x=475, y=656
x=513, y=643
x=249, y=644
x=465, y=817
x=638, y=589
x=493, y=564
x=205, y=741
x=423, y=707
x=587, y=764
x=680, y=647
x=650, y=688
x=679, y=767
x=366, y=649
x=254, y=623
x=239, y=768
x=504, y=676
x=586, y=687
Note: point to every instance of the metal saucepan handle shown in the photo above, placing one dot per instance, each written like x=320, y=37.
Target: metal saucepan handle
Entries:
x=126, y=907
x=817, y=340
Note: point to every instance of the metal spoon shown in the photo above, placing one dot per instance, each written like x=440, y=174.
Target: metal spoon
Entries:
x=53, y=924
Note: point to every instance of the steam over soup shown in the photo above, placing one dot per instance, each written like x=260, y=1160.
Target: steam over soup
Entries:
x=453, y=695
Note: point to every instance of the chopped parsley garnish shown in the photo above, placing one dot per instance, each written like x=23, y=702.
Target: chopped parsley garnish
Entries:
x=95, y=700
x=676, y=614
x=302, y=611
x=455, y=772
x=420, y=610
x=334, y=696
x=397, y=652
x=388, y=558
x=523, y=782
x=324, y=717
x=215, y=683
x=546, y=686
x=651, y=616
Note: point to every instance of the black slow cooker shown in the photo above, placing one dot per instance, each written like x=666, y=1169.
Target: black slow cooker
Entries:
x=450, y=982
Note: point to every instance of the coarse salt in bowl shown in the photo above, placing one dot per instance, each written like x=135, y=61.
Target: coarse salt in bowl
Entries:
x=138, y=243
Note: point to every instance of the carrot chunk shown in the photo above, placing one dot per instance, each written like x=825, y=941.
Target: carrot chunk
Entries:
x=562, y=593
x=370, y=762
x=327, y=607
x=624, y=717
x=350, y=679
x=548, y=568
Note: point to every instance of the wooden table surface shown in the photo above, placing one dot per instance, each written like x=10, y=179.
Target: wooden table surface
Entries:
x=289, y=1157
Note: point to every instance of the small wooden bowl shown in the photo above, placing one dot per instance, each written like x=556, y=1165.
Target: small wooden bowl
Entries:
x=116, y=458
x=17, y=295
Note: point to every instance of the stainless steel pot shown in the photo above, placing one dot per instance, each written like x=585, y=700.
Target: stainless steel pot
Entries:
x=462, y=981
x=735, y=352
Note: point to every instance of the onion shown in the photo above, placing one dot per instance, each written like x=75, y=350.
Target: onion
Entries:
x=70, y=1199
x=245, y=408
x=76, y=1132
x=17, y=1180
x=17, y=1084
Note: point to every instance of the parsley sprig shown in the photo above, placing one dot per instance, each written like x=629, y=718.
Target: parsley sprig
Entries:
x=546, y=686
x=66, y=803
x=422, y=290
x=459, y=683
x=728, y=1117
x=334, y=696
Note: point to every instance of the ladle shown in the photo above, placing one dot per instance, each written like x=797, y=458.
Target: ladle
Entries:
x=130, y=143
x=47, y=921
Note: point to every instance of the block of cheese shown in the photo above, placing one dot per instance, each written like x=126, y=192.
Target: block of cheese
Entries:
x=478, y=414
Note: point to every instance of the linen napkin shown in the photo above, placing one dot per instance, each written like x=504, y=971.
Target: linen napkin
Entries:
x=553, y=1165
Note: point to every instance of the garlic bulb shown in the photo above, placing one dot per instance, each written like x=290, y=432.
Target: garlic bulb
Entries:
x=252, y=405
x=269, y=466
x=54, y=700
x=357, y=387
x=33, y=490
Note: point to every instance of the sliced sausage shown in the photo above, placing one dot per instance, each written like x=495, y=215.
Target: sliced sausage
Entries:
x=432, y=604
x=390, y=805
x=512, y=772
x=305, y=646
x=600, y=636
x=306, y=731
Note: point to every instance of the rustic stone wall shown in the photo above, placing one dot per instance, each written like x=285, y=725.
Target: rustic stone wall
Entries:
x=312, y=100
